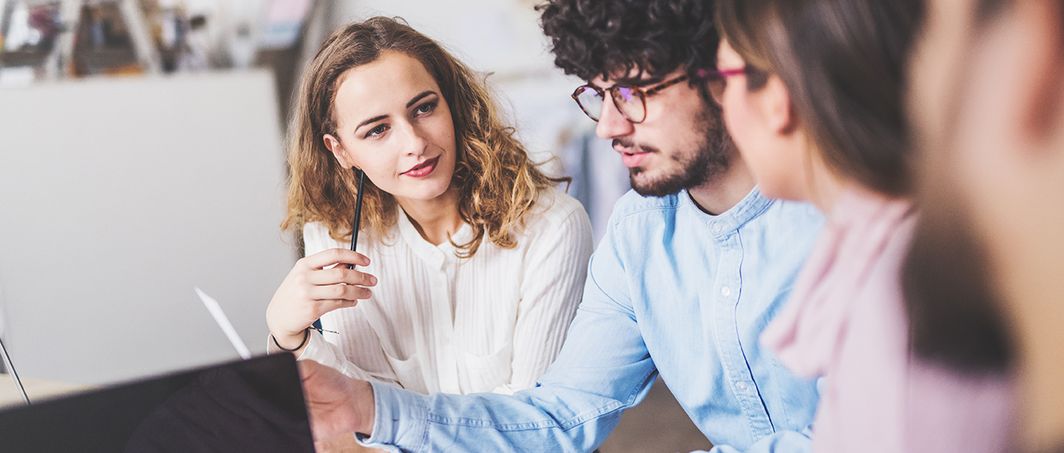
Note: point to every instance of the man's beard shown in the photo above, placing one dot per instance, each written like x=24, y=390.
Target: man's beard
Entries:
x=954, y=313
x=709, y=158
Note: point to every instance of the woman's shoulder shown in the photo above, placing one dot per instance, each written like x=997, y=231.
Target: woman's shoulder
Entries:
x=555, y=213
x=553, y=209
x=316, y=238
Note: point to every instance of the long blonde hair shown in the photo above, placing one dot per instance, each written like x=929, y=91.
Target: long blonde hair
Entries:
x=496, y=181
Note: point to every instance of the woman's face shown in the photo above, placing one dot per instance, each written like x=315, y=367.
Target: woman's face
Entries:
x=394, y=124
x=761, y=126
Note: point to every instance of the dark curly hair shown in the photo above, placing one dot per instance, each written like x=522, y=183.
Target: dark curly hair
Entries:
x=592, y=38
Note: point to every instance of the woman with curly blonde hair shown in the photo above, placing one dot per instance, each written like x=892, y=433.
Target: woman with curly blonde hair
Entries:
x=472, y=263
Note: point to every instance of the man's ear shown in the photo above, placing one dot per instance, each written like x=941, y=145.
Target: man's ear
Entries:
x=776, y=106
x=1042, y=95
x=338, y=151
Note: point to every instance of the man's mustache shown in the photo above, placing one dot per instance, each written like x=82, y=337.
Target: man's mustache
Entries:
x=625, y=143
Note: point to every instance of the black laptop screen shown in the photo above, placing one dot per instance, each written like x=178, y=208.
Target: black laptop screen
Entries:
x=253, y=405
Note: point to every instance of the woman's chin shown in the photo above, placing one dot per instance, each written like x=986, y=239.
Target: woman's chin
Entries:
x=425, y=193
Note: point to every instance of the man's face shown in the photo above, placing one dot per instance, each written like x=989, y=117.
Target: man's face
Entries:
x=989, y=174
x=953, y=308
x=679, y=145
x=970, y=100
x=994, y=154
x=937, y=64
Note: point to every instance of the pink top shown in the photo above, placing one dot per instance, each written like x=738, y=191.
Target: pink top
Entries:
x=846, y=322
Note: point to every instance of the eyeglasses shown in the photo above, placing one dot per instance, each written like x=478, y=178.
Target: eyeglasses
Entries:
x=718, y=80
x=630, y=100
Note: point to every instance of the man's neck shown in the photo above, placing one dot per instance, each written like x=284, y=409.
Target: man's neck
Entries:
x=725, y=190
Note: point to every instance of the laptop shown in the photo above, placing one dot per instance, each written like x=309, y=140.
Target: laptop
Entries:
x=249, y=405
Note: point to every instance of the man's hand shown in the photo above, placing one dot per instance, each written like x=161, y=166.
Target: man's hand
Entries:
x=338, y=405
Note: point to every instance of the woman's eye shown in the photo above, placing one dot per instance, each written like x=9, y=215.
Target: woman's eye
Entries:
x=425, y=108
x=377, y=131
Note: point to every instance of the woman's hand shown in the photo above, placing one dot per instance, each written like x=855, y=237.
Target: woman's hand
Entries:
x=309, y=291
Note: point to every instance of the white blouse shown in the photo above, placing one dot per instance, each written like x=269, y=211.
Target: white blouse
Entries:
x=438, y=323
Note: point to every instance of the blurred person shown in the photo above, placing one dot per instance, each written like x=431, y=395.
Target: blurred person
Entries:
x=471, y=263
x=694, y=263
x=983, y=276
x=813, y=95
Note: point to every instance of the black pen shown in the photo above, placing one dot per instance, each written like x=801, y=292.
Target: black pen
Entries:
x=357, y=223
x=355, y=226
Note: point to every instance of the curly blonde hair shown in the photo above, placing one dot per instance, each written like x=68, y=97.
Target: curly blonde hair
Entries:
x=496, y=181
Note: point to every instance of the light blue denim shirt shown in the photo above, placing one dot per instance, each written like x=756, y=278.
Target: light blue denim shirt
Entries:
x=670, y=290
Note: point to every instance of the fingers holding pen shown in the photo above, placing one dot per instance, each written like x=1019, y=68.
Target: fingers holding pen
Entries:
x=341, y=275
x=316, y=285
x=338, y=257
x=352, y=293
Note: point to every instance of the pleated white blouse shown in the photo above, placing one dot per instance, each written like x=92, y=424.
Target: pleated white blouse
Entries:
x=438, y=323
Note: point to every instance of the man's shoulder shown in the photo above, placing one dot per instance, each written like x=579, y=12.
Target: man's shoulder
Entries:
x=633, y=204
x=793, y=215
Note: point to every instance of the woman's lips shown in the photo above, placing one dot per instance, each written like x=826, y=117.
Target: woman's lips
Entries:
x=423, y=169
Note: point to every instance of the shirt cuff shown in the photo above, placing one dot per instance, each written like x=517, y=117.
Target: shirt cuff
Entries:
x=313, y=349
x=401, y=420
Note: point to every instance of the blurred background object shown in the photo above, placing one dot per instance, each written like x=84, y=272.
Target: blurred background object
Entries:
x=28, y=36
x=108, y=38
x=119, y=197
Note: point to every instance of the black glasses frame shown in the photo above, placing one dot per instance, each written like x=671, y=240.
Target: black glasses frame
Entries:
x=617, y=95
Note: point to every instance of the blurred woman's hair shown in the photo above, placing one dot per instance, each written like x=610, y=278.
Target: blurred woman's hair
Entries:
x=843, y=63
x=497, y=183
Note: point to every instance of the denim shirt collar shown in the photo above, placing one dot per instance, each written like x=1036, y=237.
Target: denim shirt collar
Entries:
x=727, y=222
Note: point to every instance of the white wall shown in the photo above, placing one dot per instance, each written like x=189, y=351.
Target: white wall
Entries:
x=117, y=196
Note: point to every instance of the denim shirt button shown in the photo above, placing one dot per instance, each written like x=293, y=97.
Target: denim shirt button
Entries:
x=725, y=291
